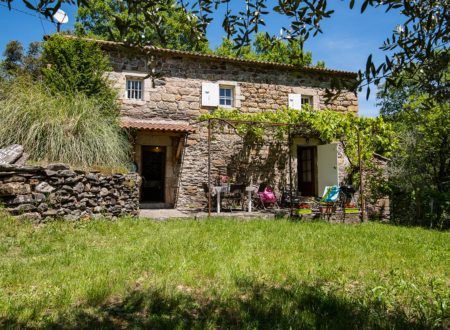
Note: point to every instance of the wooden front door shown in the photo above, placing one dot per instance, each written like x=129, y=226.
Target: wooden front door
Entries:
x=306, y=171
x=153, y=173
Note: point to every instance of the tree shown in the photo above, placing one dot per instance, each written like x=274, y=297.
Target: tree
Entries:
x=74, y=65
x=13, y=57
x=45, y=7
x=420, y=43
x=263, y=48
x=161, y=23
x=392, y=99
x=17, y=62
x=420, y=169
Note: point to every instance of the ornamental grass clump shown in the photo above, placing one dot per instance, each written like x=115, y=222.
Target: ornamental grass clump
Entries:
x=61, y=128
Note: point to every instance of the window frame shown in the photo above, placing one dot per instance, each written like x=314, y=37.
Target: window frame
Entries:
x=232, y=97
x=138, y=92
x=310, y=99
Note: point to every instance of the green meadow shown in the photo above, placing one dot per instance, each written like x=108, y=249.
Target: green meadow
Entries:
x=222, y=273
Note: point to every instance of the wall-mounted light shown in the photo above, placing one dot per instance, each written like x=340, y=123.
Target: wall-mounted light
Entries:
x=156, y=149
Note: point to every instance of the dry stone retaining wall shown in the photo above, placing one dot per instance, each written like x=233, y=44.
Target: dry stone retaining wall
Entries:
x=56, y=191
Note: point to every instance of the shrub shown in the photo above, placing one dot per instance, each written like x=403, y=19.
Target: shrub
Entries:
x=73, y=65
x=66, y=128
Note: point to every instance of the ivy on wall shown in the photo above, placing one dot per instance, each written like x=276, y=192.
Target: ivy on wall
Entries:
x=376, y=135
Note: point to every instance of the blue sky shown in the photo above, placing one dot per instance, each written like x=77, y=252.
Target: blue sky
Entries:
x=348, y=38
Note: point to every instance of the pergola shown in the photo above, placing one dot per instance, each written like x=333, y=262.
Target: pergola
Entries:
x=290, y=128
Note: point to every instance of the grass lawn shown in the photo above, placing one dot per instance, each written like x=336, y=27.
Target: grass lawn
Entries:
x=222, y=273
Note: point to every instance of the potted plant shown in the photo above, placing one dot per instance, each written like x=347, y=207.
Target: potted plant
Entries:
x=304, y=208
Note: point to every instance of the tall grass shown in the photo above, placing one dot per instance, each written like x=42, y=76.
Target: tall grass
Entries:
x=54, y=127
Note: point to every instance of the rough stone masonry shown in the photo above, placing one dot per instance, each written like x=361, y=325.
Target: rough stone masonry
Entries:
x=57, y=192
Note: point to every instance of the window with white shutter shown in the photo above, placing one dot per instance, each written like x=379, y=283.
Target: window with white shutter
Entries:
x=210, y=94
x=295, y=101
x=226, y=96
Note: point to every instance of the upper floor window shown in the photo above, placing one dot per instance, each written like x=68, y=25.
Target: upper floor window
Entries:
x=307, y=100
x=226, y=96
x=134, y=89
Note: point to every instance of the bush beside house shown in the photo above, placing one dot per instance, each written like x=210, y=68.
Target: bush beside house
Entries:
x=67, y=112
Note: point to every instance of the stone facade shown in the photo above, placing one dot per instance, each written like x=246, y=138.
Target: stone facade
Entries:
x=174, y=95
x=56, y=191
x=176, y=92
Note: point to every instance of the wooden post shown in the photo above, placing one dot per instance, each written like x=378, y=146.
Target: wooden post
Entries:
x=361, y=182
x=209, y=168
x=290, y=170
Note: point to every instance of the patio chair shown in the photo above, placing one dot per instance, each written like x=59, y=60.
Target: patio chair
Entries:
x=265, y=197
x=234, y=199
x=286, y=198
x=330, y=200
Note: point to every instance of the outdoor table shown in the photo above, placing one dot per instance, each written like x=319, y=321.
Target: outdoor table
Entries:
x=249, y=190
x=220, y=189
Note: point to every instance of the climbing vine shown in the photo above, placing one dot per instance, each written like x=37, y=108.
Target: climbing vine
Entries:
x=376, y=135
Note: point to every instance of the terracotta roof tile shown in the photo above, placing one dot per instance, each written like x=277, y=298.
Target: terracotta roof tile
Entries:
x=157, y=126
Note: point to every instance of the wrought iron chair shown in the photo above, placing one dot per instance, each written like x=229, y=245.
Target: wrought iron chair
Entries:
x=265, y=197
x=286, y=198
x=234, y=199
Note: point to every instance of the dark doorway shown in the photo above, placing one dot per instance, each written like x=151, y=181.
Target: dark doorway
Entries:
x=306, y=170
x=153, y=173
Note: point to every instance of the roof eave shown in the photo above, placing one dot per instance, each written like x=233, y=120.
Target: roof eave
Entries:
x=153, y=49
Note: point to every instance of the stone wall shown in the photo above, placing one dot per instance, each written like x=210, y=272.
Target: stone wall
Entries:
x=56, y=191
x=176, y=92
x=266, y=161
x=174, y=95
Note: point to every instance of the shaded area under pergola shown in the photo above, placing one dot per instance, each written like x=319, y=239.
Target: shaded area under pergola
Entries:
x=292, y=130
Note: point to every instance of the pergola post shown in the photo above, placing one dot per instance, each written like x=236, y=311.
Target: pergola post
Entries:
x=290, y=170
x=361, y=182
x=209, y=168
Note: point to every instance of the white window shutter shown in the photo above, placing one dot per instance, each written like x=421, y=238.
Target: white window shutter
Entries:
x=210, y=94
x=327, y=166
x=295, y=101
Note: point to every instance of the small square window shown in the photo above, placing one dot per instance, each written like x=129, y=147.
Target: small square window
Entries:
x=134, y=89
x=307, y=100
x=226, y=96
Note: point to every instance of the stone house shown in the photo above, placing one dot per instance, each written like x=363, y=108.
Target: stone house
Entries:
x=170, y=144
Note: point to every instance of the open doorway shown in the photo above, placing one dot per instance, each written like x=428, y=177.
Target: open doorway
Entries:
x=153, y=173
x=306, y=170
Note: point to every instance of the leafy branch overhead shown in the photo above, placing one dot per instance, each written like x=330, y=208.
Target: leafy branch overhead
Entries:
x=45, y=7
x=419, y=44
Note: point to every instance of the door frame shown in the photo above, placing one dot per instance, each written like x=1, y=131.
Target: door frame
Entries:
x=164, y=151
x=313, y=169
